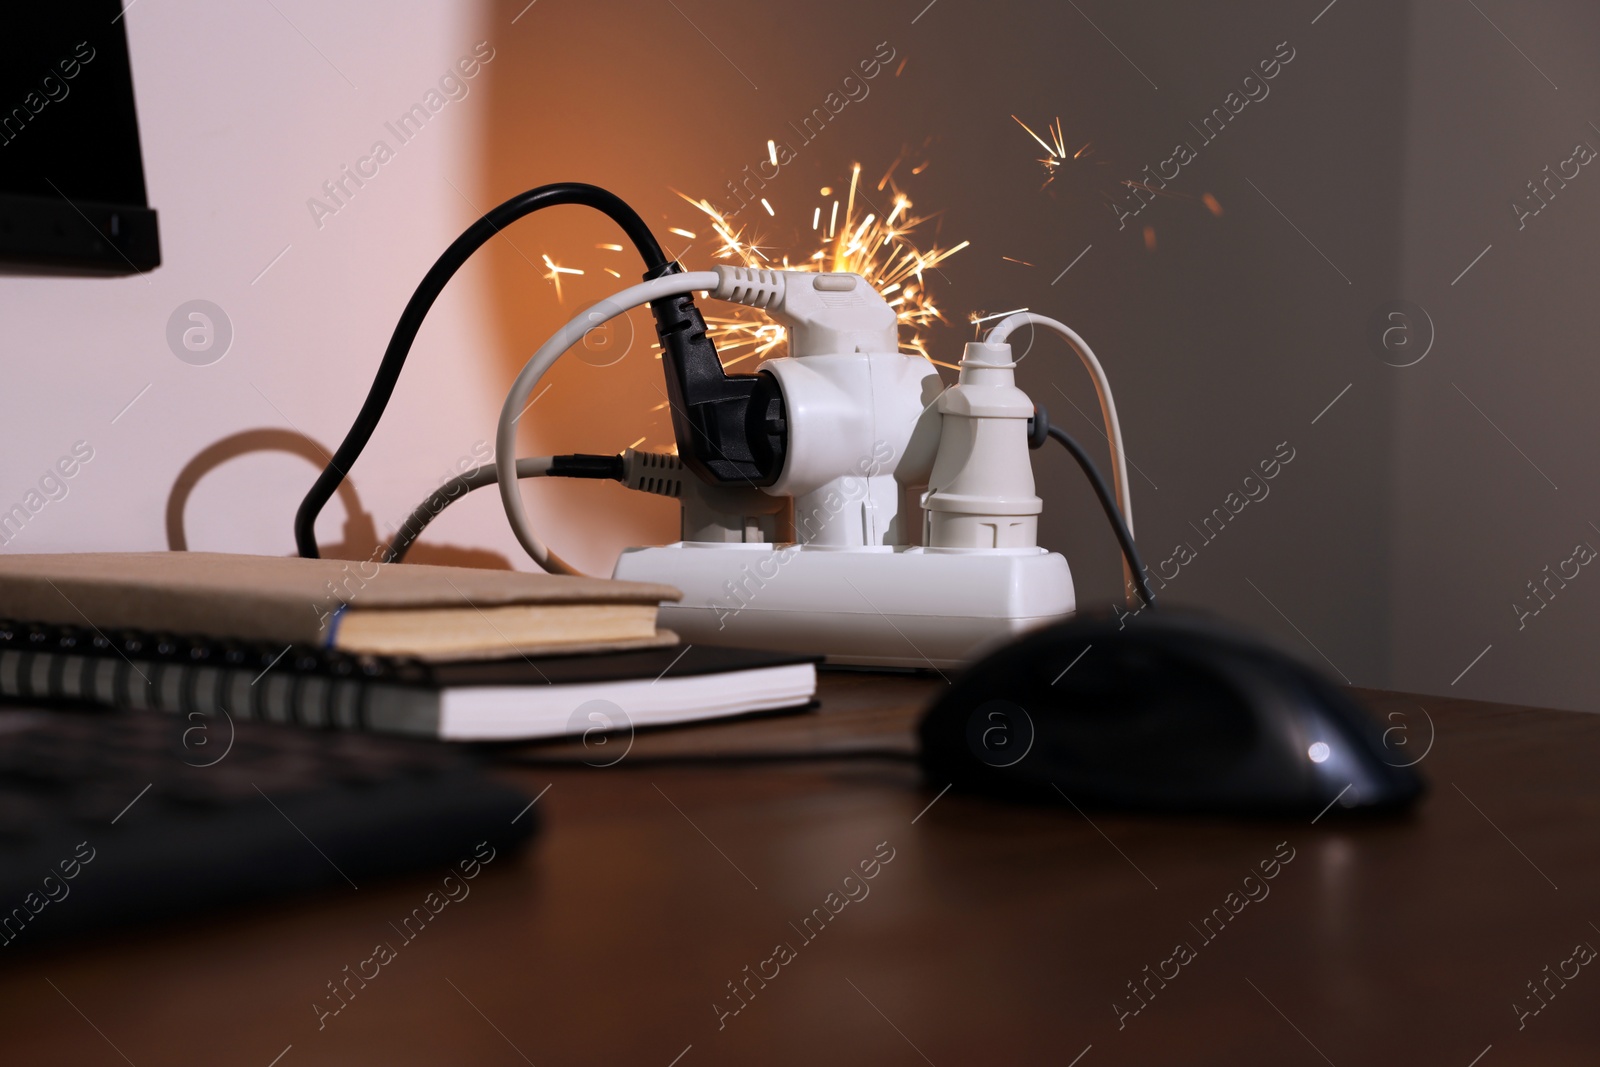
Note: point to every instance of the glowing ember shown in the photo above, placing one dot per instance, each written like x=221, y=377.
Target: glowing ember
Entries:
x=1057, y=155
x=1055, y=148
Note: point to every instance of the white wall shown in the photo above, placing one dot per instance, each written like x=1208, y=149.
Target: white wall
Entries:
x=242, y=120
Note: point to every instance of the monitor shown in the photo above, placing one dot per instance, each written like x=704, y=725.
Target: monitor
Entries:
x=72, y=193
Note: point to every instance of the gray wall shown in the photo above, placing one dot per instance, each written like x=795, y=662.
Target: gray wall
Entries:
x=1487, y=499
x=1237, y=331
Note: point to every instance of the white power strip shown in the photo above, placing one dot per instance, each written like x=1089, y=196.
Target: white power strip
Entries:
x=908, y=607
x=910, y=505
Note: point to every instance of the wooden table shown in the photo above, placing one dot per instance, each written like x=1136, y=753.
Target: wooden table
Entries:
x=995, y=934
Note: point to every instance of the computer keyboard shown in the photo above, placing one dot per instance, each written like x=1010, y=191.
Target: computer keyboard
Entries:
x=123, y=816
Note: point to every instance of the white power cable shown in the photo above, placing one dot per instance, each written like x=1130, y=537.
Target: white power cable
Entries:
x=1108, y=408
x=505, y=439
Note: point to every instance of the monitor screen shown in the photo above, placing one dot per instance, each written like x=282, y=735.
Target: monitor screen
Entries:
x=72, y=195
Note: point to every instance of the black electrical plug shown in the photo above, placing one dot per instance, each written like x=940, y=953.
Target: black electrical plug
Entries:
x=720, y=437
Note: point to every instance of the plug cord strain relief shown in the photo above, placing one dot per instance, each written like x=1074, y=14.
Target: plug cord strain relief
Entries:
x=659, y=473
x=752, y=286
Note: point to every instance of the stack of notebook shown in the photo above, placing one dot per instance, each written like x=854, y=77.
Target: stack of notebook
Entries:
x=447, y=652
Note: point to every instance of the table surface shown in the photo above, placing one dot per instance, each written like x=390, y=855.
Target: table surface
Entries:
x=990, y=932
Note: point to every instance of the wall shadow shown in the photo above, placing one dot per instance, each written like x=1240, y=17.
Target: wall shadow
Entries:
x=359, y=537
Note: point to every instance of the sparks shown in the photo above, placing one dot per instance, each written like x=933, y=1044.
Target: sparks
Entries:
x=1055, y=148
x=555, y=273
x=1058, y=157
x=858, y=238
x=978, y=320
x=772, y=152
x=855, y=238
x=681, y=232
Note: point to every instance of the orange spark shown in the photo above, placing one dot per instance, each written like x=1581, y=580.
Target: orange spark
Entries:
x=555, y=273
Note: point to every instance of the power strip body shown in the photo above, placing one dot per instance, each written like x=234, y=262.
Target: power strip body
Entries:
x=914, y=516
x=884, y=607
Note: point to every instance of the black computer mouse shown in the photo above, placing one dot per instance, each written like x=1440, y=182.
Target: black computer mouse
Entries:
x=1169, y=712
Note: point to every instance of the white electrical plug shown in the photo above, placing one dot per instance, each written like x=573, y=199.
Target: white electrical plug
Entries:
x=824, y=314
x=981, y=492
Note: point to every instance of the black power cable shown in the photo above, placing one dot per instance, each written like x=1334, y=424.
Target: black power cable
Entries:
x=433, y=283
x=1107, y=502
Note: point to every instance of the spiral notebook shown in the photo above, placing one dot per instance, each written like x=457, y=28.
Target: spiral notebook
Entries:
x=483, y=700
x=438, y=652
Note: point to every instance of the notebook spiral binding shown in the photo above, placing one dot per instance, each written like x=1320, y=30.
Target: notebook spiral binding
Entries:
x=186, y=675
